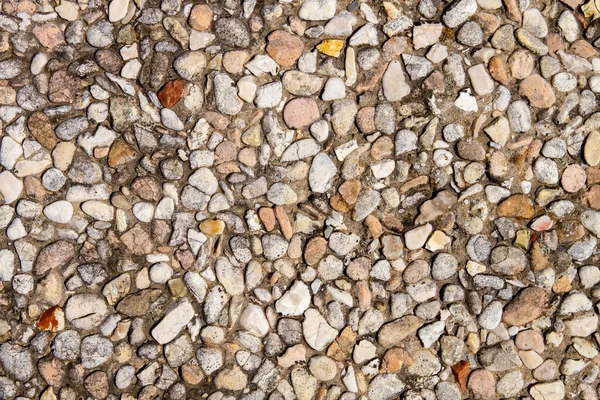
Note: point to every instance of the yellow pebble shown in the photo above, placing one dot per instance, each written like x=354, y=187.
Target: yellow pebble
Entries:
x=523, y=238
x=331, y=47
x=212, y=227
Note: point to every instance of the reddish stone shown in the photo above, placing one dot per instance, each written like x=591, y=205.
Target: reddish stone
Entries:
x=526, y=306
x=512, y=10
x=394, y=359
x=137, y=240
x=498, y=70
x=315, y=250
x=538, y=91
x=171, y=93
x=516, y=206
x=554, y=42
x=461, y=372
x=349, y=190
x=592, y=197
x=50, y=320
x=482, y=384
x=284, y=47
x=284, y=222
x=365, y=119
x=300, y=112
x=583, y=49
x=267, y=216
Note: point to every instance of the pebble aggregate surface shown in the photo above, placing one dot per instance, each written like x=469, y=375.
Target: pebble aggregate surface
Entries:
x=299, y=199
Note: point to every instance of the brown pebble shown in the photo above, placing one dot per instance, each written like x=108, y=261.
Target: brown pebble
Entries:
x=315, y=250
x=498, y=70
x=267, y=217
x=284, y=47
x=349, y=190
x=394, y=359
x=49, y=34
x=284, y=222
x=201, y=17
x=482, y=384
x=526, y=306
x=518, y=206
x=41, y=128
x=538, y=91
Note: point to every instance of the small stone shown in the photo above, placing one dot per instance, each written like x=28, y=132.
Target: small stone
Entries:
x=284, y=47
x=100, y=34
x=317, y=10
x=527, y=305
x=458, y=12
x=538, y=91
x=48, y=34
x=395, y=86
x=85, y=311
x=481, y=80
x=573, y=178
x=10, y=187
x=518, y=206
x=591, y=149
x=16, y=361
x=172, y=323
x=317, y=332
x=548, y=391
x=300, y=112
x=331, y=47
x=201, y=17
x=232, y=32
x=483, y=384
x=416, y=238
x=117, y=10
x=171, y=93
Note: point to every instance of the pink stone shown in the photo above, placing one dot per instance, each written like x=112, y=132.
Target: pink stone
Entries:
x=542, y=223
x=573, y=178
x=300, y=112
x=49, y=34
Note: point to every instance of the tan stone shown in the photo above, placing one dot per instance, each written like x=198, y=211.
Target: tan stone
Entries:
x=212, y=227
x=201, y=17
x=300, y=112
x=516, y=206
x=121, y=153
x=538, y=91
x=526, y=306
x=394, y=359
x=315, y=250
x=41, y=128
x=284, y=47
x=48, y=34
x=498, y=70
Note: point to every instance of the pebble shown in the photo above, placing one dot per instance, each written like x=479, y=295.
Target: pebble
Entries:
x=300, y=112
x=538, y=91
x=458, y=12
x=395, y=87
x=172, y=323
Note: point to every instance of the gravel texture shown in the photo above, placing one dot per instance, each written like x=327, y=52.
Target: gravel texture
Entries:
x=299, y=199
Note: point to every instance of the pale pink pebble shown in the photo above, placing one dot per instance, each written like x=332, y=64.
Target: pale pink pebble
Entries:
x=48, y=34
x=573, y=178
x=542, y=223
